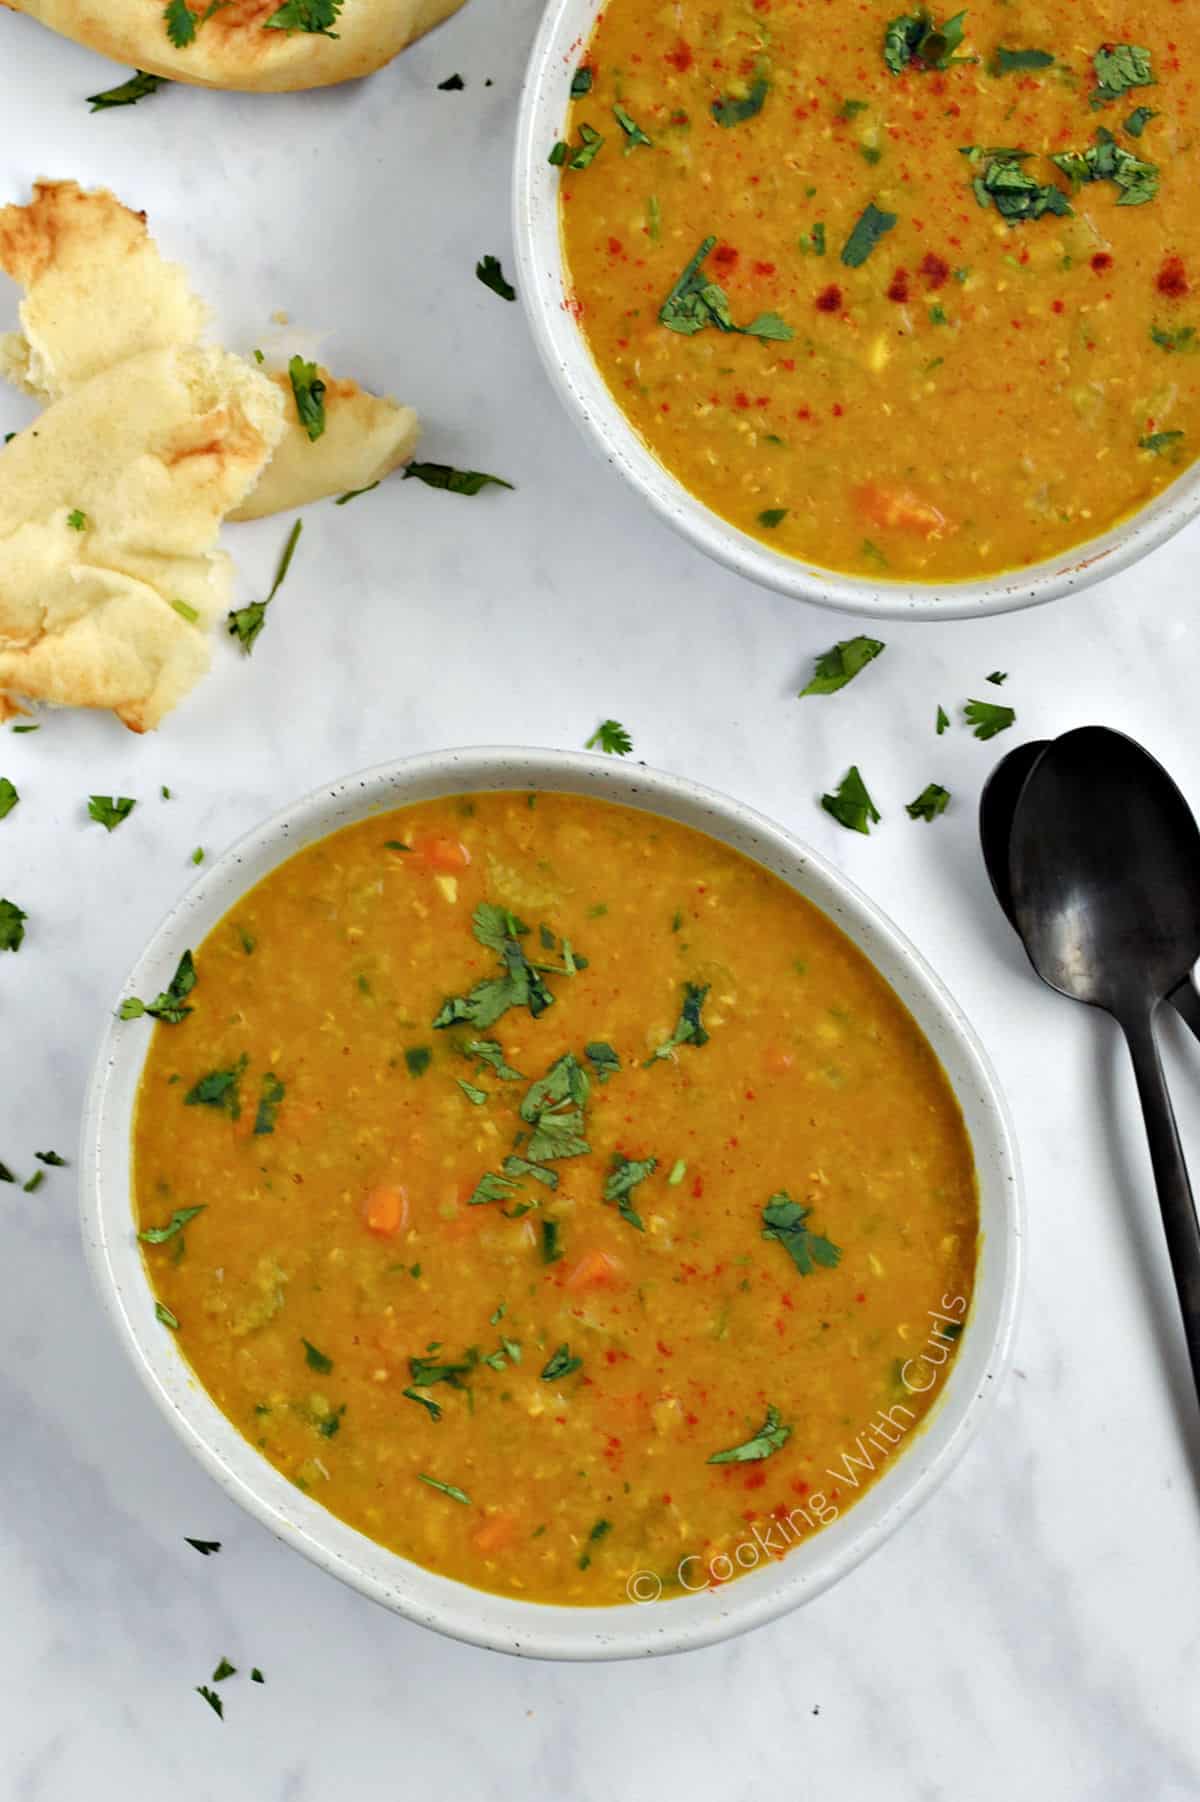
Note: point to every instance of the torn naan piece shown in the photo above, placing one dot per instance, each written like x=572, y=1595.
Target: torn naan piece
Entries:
x=98, y=291
x=110, y=506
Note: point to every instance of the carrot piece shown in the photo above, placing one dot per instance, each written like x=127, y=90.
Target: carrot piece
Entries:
x=596, y=1269
x=899, y=509
x=446, y=855
x=496, y=1533
x=385, y=1209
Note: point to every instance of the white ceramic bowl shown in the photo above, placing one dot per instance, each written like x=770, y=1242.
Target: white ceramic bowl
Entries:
x=562, y=37
x=534, y=1629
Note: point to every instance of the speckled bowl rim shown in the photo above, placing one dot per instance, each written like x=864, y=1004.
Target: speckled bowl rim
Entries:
x=625, y=1630
x=541, y=283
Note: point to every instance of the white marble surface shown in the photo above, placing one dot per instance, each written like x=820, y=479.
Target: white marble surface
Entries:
x=1034, y=1631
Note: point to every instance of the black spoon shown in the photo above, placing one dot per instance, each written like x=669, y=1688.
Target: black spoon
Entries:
x=1104, y=868
x=997, y=804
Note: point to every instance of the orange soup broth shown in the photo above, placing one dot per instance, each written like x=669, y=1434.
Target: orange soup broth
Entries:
x=977, y=395
x=337, y=1241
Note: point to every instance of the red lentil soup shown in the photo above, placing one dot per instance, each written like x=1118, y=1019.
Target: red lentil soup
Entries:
x=900, y=294
x=555, y=1195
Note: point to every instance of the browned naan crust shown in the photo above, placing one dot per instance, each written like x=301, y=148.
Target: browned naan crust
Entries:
x=235, y=48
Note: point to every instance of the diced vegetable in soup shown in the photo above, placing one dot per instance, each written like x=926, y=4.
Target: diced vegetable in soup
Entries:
x=554, y=1195
x=909, y=294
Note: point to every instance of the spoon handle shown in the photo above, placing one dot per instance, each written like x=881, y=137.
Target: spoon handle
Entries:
x=1171, y=1178
x=1186, y=1003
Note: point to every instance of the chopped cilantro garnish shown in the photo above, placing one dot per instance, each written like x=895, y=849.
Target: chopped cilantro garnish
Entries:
x=623, y=1177
x=581, y=82
x=634, y=135
x=770, y=517
x=316, y=1360
x=245, y=623
x=932, y=800
x=598, y=1531
x=271, y=1095
x=181, y=22
x=772, y=1436
x=109, y=810
x=490, y=1053
x=418, y=1059
x=490, y=1188
x=158, y=1235
x=851, y=805
x=603, y=1059
x=1012, y=62
x=450, y=1489
x=689, y=1029
x=520, y=983
x=813, y=243
x=914, y=39
x=1138, y=120
x=308, y=390
x=1120, y=67
x=695, y=302
x=129, y=93
x=588, y=149
x=1158, y=442
x=317, y=16
x=553, y=1107
x=454, y=481
x=489, y=272
x=1106, y=160
x=840, y=665
x=610, y=736
x=171, y=1006
x=872, y=225
x=987, y=718
x=733, y=109
x=784, y=1219
x=561, y=1364
x=516, y=1167
x=551, y=1251
x=1002, y=181
x=219, y=1089
x=426, y=1401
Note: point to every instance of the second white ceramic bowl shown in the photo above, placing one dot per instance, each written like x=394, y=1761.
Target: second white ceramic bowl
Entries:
x=542, y=284
x=628, y=1629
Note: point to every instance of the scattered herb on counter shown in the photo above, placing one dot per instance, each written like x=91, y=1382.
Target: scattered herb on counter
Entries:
x=245, y=623
x=772, y=1436
x=851, y=805
x=942, y=721
x=833, y=669
x=308, y=391
x=26, y=728
x=932, y=800
x=560, y=1364
x=158, y=1235
x=689, y=1028
x=12, y=925
x=219, y=1089
x=109, y=810
x=624, y=1176
x=785, y=1220
x=352, y=494
x=35, y=1182
x=987, y=718
x=6, y=1175
x=256, y=1675
x=1120, y=67
x=734, y=109
x=454, y=481
x=872, y=225
x=52, y=1158
x=603, y=1059
x=610, y=736
x=453, y=84
x=634, y=135
x=205, y=1547
x=1013, y=62
x=212, y=1698
x=223, y=1670
x=319, y=16
x=998, y=676
x=489, y=1052
x=316, y=1360
x=139, y=85
x=198, y=854
x=271, y=1094
x=171, y=1006
x=450, y=1489
x=8, y=797
x=489, y=272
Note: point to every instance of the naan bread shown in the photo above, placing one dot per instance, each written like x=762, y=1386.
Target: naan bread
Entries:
x=238, y=47
x=110, y=505
x=97, y=291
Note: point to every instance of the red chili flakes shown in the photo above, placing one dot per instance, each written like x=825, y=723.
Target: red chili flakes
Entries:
x=614, y=247
x=935, y=270
x=681, y=57
x=725, y=258
x=741, y=400
x=860, y=1296
x=664, y=1351
x=799, y=1486
x=1058, y=306
x=838, y=409
x=756, y=1480
x=829, y=300
x=1102, y=262
x=898, y=286
x=1173, y=279
x=698, y=1187
x=764, y=268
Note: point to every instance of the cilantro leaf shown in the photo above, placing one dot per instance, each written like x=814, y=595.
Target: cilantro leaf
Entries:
x=8, y=797
x=561, y=1364
x=1106, y=160
x=158, y=1235
x=610, y=736
x=454, y=481
x=490, y=1188
x=840, y=665
x=1138, y=120
x=851, y=805
x=784, y=1219
x=1011, y=62
x=306, y=15
x=109, y=810
x=1002, y=181
x=932, y=800
x=170, y=1006
x=623, y=1177
x=450, y=1489
x=519, y=985
x=426, y=1401
x=518, y=1167
x=273, y=1092
x=943, y=720
x=695, y=303
x=987, y=718
x=219, y=1089
x=489, y=272
x=212, y=1698
x=1120, y=67
x=245, y=623
x=772, y=1436
x=731, y=110
x=12, y=925
x=553, y=1107
x=634, y=135
x=689, y=1029
x=490, y=1052
x=770, y=517
x=872, y=225
x=223, y=1670
x=205, y=1547
x=180, y=22
x=914, y=39
x=1158, y=442
x=52, y=1158
x=603, y=1059
x=551, y=1250
x=129, y=93
x=308, y=390
x=316, y=1360
x=581, y=82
